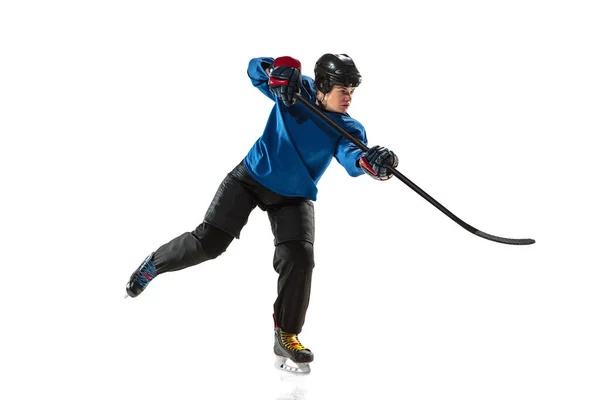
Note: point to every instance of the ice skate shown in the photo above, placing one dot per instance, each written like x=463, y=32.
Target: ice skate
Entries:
x=141, y=277
x=289, y=349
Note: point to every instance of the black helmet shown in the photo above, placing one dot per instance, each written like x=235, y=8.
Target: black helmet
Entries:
x=335, y=69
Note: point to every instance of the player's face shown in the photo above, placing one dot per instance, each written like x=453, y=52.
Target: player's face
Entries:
x=339, y=99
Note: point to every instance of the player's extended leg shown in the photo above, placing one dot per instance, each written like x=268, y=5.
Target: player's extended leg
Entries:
x=206, y=242
x=224, y=220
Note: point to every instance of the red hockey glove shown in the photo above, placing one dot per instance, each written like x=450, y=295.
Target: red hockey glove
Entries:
x=284, y=81
x=375, y=163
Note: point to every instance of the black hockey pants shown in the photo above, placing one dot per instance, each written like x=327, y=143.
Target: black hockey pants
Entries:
x=292, y=224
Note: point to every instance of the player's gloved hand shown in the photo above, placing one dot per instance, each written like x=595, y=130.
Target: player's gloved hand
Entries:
x=284, y=80
x=375, y=162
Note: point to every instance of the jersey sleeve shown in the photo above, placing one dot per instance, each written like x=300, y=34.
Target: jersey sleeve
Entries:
x=258, y=76
x=348, y=154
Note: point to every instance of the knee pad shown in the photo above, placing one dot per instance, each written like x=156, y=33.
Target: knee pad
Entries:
x=214, y=241
x=298, y=252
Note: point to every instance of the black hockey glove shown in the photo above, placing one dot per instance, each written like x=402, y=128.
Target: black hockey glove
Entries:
x=375, y=163
x=284, y=81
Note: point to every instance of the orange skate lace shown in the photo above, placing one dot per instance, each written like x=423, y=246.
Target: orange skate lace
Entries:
x=291, y=341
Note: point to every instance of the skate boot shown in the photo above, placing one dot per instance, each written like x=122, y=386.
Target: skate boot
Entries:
x=141, y=277
x=288, y=347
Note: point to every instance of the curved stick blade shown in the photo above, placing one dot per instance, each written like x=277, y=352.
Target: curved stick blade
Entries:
x=503, y=240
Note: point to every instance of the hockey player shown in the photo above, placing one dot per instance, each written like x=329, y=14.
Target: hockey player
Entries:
x=280, y=175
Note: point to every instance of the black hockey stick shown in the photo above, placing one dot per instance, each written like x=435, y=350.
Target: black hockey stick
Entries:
x=410, y=184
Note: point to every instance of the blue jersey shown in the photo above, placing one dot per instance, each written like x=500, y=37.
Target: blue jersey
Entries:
x=296, y=146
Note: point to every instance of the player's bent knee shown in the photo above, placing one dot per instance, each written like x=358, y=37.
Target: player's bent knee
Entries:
x=212, y=240
x=299, y=252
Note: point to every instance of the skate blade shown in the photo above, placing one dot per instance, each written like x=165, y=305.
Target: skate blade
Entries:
x=281, y=363
x=126, y=295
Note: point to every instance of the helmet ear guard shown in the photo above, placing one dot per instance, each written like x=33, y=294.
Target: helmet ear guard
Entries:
x=323, y=85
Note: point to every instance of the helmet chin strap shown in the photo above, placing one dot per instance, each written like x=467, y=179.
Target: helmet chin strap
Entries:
x=323, y=101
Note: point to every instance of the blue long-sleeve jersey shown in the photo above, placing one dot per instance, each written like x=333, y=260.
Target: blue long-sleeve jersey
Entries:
x=296, y=146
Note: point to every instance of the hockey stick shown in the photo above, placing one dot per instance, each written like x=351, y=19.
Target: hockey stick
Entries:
x=410, y=184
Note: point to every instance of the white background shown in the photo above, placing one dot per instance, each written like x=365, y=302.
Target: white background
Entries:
x=119, y=119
